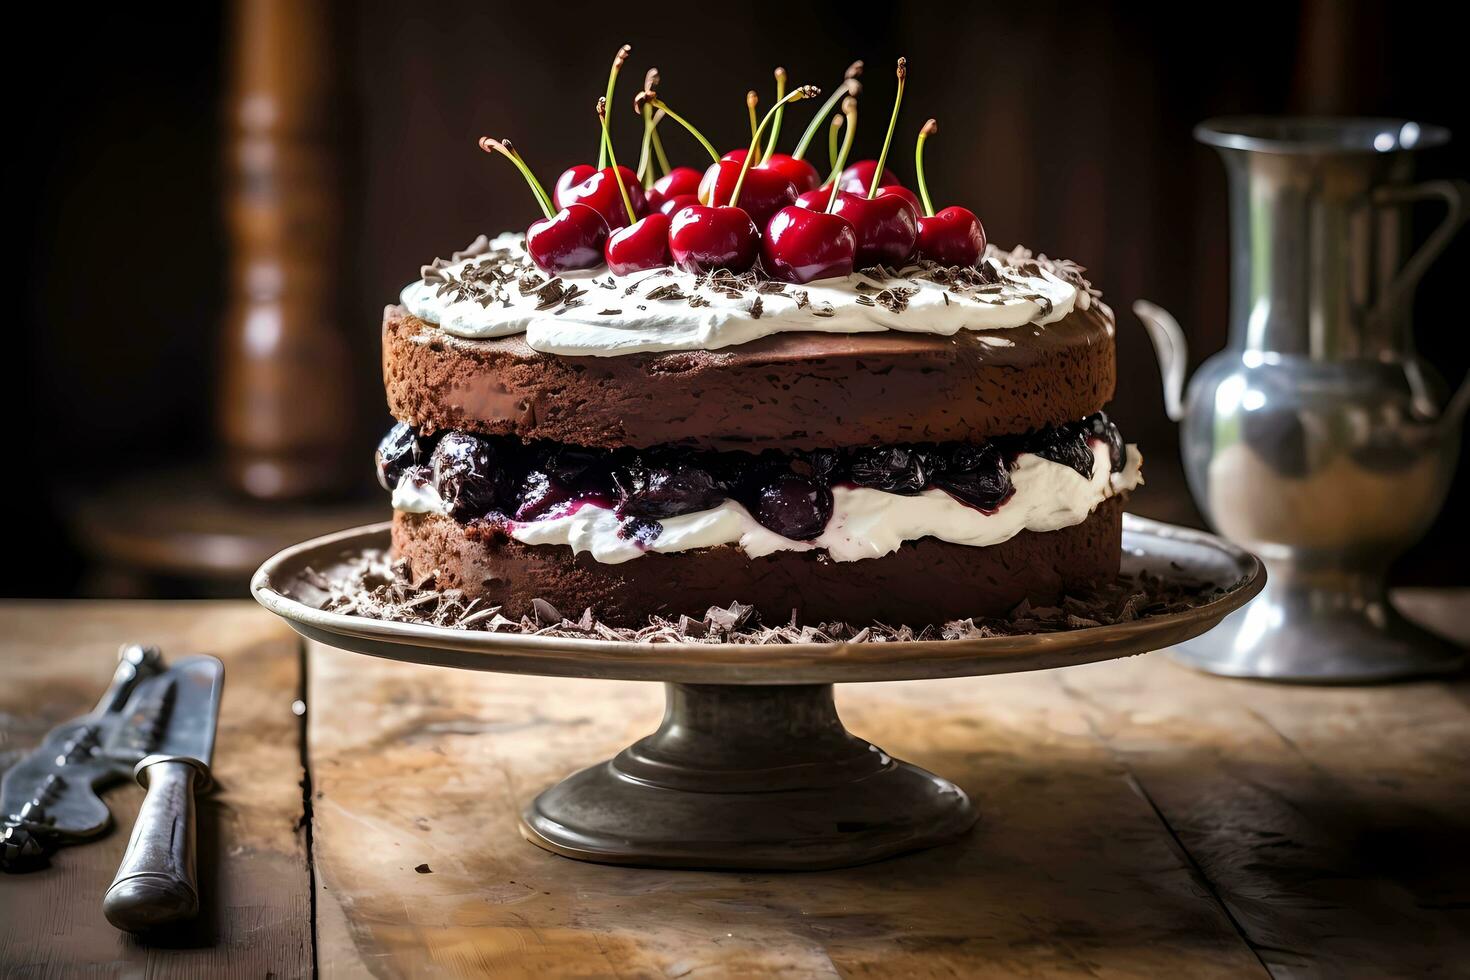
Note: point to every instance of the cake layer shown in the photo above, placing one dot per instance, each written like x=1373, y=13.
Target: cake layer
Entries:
x=925, y=581
x=789, y=391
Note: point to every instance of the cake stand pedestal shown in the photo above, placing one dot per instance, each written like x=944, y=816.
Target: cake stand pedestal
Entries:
x=751, y=767
x=748, y=777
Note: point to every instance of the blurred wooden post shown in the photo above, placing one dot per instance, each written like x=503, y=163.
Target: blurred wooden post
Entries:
x=284, y=411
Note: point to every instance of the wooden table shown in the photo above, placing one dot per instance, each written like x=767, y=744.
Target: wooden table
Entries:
x=1136, y=819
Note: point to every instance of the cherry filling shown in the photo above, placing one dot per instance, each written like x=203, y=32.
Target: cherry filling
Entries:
x=501, y=479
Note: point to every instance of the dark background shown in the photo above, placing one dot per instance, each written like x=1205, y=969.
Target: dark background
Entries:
x=1066, y=127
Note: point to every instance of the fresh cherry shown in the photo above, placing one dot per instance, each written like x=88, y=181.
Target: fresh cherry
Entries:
x=763, y=194
x=702, y=239
x=673, y=205
x=887, y=228
x=802, y=175
x=801, y=245
x=898, y=190
x=573, y=238
x=858, y=177
x=600, y=192
x=954, y=236
x=815, y=200
x=570, y=177
x=642, y=245
x=676, y=183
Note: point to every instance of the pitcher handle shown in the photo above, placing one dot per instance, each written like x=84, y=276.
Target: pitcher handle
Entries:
x=1453, y=193
x=1171, y=350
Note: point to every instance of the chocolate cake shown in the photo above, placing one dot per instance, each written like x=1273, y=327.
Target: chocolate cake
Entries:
x=824, y=405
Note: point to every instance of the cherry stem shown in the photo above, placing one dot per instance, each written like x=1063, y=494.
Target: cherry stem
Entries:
x=903, y=73
x=850, y=86
x=849, y=109
x=658, y=103
x=645, y=156
x=751, y=101
x=770, y=146
x=612, y=157
x=930, y=128
x=612, y=84
x=804, y=92
x=832, y=140
x=658, y=144
x=505, y=149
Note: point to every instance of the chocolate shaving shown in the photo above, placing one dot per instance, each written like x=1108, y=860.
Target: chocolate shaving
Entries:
x=374, y=586
x=667, y=291
x=757, y=307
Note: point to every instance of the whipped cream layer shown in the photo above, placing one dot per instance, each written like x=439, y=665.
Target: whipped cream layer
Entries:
x=492, y=289
x=865, y=523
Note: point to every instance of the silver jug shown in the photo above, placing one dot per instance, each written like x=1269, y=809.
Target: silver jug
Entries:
x=1319, y=438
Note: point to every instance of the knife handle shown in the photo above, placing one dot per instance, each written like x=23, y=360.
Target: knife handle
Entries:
x=155, y=885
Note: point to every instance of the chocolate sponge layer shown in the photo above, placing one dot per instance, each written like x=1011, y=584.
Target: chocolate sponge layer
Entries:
x=790, y=391
x=925, y=581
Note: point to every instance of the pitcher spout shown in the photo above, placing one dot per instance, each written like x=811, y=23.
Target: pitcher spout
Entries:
x=1172, y=351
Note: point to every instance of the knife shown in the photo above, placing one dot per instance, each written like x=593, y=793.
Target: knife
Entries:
x=50, y=798
x=156, y=883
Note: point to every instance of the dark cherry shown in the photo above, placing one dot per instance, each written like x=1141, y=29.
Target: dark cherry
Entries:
x=794, y=507
x=898, y=190
x=702, y=239
x=539, y=494
x=673, y=205
x=976, y=475
x=1066, y=445
x=893, y=469
x=954, y=236
x=573, y=238
x=570, y=177
x=1101, y=427
x=887, y=228
x=600, y=192
x=469, y=475
x=801, y=174
x=763, y=194
x=668, y=489
x=578, y=467
x=675, y=183
x=801, y=245
x=642, y=245
x=736, y=156
x=400, y=449
x=856, y=177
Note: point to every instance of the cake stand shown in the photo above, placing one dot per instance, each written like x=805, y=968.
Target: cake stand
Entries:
x=751, y=767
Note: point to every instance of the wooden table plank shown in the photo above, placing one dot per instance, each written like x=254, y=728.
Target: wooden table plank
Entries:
x=418, y=774
x=55, y=658
x=1333, y=822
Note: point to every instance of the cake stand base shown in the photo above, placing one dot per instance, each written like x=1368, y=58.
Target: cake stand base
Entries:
x=748, y=777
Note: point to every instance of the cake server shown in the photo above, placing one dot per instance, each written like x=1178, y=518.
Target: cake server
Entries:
x=155, y=885
x=50, y=798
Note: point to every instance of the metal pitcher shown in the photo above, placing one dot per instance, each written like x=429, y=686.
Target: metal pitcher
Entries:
x=1319, y=438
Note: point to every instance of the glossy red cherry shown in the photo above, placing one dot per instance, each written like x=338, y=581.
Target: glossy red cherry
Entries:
x=815, y=200
x=887, y=228
x=801, y=245
x=898, y=190
x=736, y=156
x=571, y=239
x=672, y=205
x=570, y=177
x=679, y=181
x=858, y=176
x=600, y=192
x=802, y=174
x=954, y=236
x=702, y=239
x=764, y=193
x=642, y=245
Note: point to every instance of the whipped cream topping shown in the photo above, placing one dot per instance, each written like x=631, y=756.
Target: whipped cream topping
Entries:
x=865, y=523
x=492, y=289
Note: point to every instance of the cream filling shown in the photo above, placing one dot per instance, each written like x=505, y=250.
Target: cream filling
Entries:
x=615, y=316
x=865, y=523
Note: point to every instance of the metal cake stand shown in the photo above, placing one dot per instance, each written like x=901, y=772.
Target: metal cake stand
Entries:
x=751, y=767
